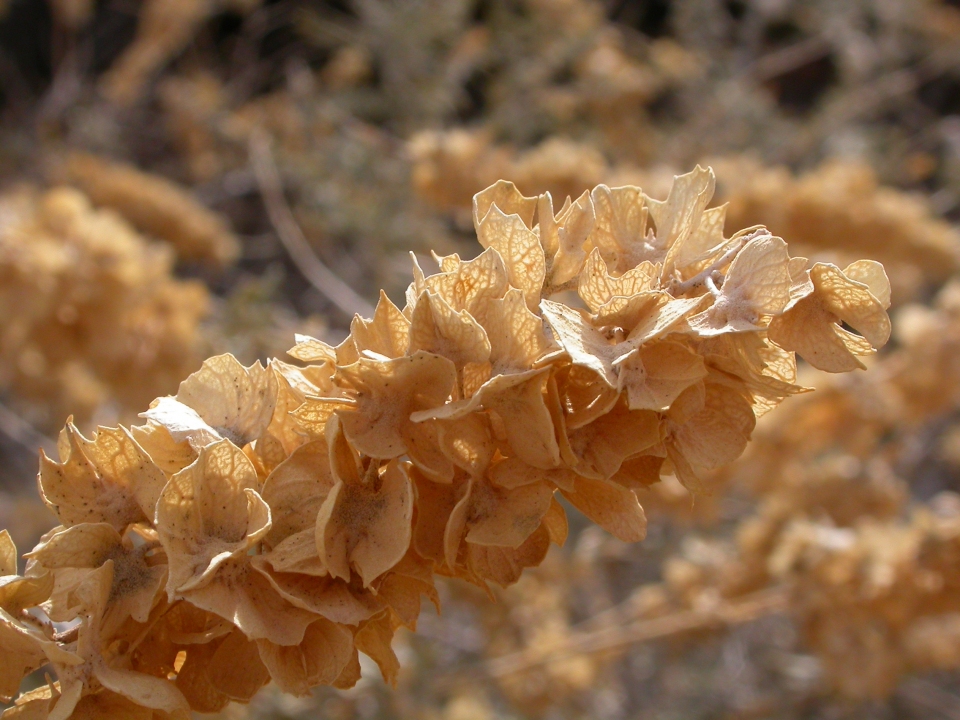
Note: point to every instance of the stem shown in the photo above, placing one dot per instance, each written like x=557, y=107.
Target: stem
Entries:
x=550, y=290
x=749, y=608
x=24, y=434
x=44, y=625
x=303, y=256
x=712, y=286
x=371, y=476
x=67, y=636
x=702, y=276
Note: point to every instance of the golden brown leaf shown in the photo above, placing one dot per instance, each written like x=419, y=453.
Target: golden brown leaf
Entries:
x=210, y=512
x=318, y=660
x=366, y=526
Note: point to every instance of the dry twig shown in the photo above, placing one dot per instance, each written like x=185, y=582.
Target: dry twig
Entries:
x=320, y=276
x=609, y=638
x=927, y=696
x=24, y=434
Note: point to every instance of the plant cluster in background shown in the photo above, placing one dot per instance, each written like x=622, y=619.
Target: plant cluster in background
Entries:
x=94, y=321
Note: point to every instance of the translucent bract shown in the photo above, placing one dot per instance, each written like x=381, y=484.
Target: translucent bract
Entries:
x=272, y=522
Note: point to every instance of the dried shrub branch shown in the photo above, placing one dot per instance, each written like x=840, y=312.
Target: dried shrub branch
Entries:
x=269, y=523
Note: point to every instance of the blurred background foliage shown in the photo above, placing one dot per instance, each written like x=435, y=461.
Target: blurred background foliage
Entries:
x=820, y=578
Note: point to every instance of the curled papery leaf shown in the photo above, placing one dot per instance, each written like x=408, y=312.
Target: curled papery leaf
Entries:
x=107, y=479
x=21, y=652
x=518, y=402
x=655, y=375
x=597, y=287
x=402, y=589
x=339, y=601
x=713, y=431
x=319, y=659
x=227, y=669
x=223, y=399
x=296, y=489
x=387, y=392
x=20, y=592
x=373, y=639
x=620, y=231
x=210, y=512
x=23, y=648
x=94, y=674
x=592, y=348
x=871, y=274
x=116, y=454
x=295, y=385
x=602, y=445
x=812, y=326
x=182, y=422
x=506, y=518
x=613, y=507
x=439, y=329
x=505, y=195
x=366, y=525
x=469, y=442
x=516, y=335
x=469, y=285
x=8, y=554
x=387, y=334
x=679, y=216
x=520, y=249
x=239, y=592
x=88, y=546
x=563, y=237
x=504, y=565
x=273, y=522
x=311, y=350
